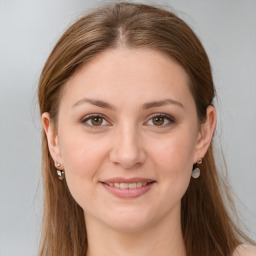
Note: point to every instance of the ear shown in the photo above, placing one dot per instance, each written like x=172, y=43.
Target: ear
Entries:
x=52, y=138
x=205, y=133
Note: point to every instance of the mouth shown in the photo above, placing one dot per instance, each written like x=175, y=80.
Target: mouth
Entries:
x=130, y=185
x=128, y=188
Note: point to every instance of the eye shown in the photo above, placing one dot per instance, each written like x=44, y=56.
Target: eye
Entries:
x=94, y=121
x=161, y=120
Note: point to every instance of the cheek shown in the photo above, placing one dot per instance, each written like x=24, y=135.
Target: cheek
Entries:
x=82, y=159
x=81, y=153
x=175, y=151
x=173, y=158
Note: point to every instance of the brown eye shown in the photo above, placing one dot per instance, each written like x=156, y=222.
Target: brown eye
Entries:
x=158, y=120
x=96, y=120
x=161, y=120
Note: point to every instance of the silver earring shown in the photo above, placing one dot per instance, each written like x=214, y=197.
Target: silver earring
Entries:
x=60, y=173
x=196, y=171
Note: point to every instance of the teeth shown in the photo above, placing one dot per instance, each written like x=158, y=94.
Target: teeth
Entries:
x=117, y=185
x=128, y=185
x=139, y=184
x=124, y=185
x=132, y=185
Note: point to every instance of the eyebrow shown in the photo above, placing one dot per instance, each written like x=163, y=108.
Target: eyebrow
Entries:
x=103, y=104
x=161, y=103
x=98, y=103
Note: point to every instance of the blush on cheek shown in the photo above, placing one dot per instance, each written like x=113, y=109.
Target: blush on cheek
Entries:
x=80, y=183
x=176, y=166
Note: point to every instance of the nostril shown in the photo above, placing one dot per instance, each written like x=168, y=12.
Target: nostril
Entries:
x=129, y=159
x=127, y=146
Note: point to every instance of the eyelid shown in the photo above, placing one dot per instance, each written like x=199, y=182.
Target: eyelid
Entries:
x=170, y=119
x=89, y=116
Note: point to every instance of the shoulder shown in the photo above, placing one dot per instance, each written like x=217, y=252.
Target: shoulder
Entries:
x=245, y=250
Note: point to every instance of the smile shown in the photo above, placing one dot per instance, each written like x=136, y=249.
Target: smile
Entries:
x=130, y=188
x=128, y=185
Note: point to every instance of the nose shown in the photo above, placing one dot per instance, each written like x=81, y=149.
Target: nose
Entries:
x=127, y=149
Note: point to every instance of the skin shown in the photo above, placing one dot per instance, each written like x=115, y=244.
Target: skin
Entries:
x=129, y=143
x=245, y=250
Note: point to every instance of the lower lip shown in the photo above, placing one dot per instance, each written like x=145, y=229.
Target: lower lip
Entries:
x=128, y=193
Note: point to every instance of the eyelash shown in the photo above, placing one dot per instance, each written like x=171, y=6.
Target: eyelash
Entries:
x=89, y=118
x=169, y=119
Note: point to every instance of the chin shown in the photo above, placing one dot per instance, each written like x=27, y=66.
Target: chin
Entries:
x=129, y=226
x=129, y=221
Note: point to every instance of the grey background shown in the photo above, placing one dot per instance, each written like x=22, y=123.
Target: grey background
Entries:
x=29, y=30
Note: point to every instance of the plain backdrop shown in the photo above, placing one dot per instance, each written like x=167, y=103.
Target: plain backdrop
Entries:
x=29, y=30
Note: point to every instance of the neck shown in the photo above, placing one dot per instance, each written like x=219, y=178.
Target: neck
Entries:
x=162, y=239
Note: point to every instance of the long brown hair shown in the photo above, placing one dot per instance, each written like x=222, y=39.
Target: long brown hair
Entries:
x=206, y=225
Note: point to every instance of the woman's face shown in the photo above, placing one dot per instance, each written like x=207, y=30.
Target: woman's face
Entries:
x=127, y=137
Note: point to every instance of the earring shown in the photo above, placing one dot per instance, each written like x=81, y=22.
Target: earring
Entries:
x=196, y=171
x=60, y=173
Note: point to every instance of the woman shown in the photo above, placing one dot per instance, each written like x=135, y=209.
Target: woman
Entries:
x=128, y=169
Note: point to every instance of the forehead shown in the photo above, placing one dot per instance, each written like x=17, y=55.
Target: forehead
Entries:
x=140, y=74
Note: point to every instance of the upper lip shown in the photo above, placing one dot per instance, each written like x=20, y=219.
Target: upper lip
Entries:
x=125, y=180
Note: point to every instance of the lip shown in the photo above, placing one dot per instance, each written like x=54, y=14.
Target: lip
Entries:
x=128, y=193
x=127, y=180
